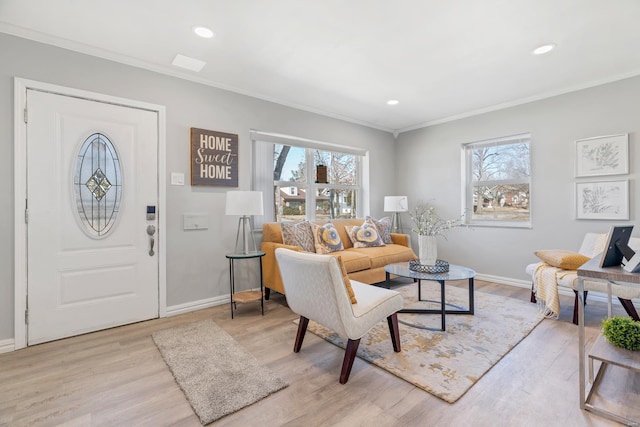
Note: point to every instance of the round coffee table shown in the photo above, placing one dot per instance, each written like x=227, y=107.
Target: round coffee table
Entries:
x=456, y=272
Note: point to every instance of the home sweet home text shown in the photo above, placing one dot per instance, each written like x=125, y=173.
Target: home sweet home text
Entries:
x=214, y=158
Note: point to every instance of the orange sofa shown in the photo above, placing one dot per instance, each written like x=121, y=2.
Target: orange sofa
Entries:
x=365, y=265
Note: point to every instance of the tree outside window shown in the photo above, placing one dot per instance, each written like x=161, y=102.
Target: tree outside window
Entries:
x=498, y=181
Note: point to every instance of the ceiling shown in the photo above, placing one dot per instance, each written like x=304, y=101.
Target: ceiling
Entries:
x=442, y=59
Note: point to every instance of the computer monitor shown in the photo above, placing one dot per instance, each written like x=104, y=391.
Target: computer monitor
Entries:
x=617, y=246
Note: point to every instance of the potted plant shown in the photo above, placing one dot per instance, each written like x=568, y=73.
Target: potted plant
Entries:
x=622, y=332
x=428, y=226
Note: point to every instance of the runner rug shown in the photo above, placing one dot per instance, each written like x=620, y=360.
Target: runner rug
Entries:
x=446, y=364
x=216, y=374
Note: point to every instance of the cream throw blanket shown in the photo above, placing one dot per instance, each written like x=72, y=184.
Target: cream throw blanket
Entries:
x=545, y=287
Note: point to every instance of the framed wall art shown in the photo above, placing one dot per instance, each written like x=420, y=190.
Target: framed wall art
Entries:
x=214, y=158
x=603, y=155
x=602, y=200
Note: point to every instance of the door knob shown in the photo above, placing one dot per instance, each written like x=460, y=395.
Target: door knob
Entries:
x=151, y=230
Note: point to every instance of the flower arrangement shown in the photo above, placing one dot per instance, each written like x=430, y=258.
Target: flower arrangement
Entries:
x=429, y=223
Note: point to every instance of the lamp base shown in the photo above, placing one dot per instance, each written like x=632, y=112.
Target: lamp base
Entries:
x=396, y=225
x=245, y=241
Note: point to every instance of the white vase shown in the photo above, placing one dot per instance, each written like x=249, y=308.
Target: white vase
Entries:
x=427, y=249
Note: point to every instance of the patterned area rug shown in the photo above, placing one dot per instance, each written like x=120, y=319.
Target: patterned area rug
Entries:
x=446, y=364
x=215, y=373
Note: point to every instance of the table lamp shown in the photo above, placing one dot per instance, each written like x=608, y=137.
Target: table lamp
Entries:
x=244, y=203
x=396, y=204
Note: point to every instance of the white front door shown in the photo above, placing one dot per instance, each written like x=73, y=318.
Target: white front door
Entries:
x=92, y=172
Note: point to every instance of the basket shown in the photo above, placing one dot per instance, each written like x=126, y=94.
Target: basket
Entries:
x=440, y=267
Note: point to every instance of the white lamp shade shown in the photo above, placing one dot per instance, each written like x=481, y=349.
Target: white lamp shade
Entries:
x=244, y=203
x=396, y=204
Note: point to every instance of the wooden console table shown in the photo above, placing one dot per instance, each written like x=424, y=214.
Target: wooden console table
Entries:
x=602, y=351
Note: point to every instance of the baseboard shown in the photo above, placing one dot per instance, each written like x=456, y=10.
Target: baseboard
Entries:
x=504, y=280
x=593, y=296
x=7, y=345
x=187, y=307
x=174, y=310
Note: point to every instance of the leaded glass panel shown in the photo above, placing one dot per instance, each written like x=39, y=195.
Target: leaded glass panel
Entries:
x=97, y=185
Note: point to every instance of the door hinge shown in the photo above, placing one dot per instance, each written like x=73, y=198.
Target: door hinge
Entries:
x=26, y=317
x=26, y=216
x=25, y=115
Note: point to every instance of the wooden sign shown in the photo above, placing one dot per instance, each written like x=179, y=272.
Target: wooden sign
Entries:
x=214, y=158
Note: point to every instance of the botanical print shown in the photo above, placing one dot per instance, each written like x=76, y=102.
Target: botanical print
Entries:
x=607, y=155
x=603, y=200
x=597, y=158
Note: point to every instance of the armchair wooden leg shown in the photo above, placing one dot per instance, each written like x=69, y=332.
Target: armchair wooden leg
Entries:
x=533, y=294
x=629, y=308
x=349, y=357
x=267, y=293
x=394, y=331
x=302, y=329
x=575, y=305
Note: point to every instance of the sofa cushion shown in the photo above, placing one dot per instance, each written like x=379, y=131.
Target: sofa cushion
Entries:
x=384, y=227
x=383, y=255
x=326, y=238
x=340, y=224
x=531, y=268
x=365, y=235
x=272, y=232
x=353, y=261
x=567, y=260
x=298, y=234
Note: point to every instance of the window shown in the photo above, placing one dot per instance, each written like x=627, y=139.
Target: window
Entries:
x=497, y=181
x=300, y=195
x=308, y=179
x=97, y=184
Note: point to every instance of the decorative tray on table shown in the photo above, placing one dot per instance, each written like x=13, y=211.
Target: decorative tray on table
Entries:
x=441, y=266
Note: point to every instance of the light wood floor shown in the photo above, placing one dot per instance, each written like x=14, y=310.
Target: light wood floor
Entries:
x=117, y=378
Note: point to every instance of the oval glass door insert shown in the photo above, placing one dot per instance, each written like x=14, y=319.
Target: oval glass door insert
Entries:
x=97, y=185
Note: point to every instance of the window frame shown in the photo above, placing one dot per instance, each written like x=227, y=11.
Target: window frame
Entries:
x=263, y=146
x=310, y=187
x=469, y=182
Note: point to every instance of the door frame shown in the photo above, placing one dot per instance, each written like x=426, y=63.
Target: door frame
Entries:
x=20, y=192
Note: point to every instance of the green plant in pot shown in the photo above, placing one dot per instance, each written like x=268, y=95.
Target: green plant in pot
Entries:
x=622, y=332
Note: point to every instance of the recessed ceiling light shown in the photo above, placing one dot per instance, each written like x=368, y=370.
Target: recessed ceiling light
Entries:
x=393, y=102
x=203, y=32
x=544, y=49
x=191, y=64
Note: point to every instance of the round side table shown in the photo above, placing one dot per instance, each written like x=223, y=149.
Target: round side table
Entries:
x=244, y=296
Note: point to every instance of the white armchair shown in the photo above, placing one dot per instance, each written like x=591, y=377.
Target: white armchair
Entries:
x=315, y=289
x=593, y=245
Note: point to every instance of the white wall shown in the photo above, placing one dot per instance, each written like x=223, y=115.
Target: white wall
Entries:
x=429, y=168
x=196, y=266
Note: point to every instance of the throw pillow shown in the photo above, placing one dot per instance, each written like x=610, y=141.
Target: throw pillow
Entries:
x=326, y=238
x=364, y=236
x=347, y=282
x=567, y=260
x=384, y=227
x=298, y=234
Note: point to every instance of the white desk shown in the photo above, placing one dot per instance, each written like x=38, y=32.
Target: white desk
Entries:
x=603, y=351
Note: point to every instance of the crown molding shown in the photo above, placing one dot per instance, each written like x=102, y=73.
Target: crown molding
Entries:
x=517, y=102
x=86, y=49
